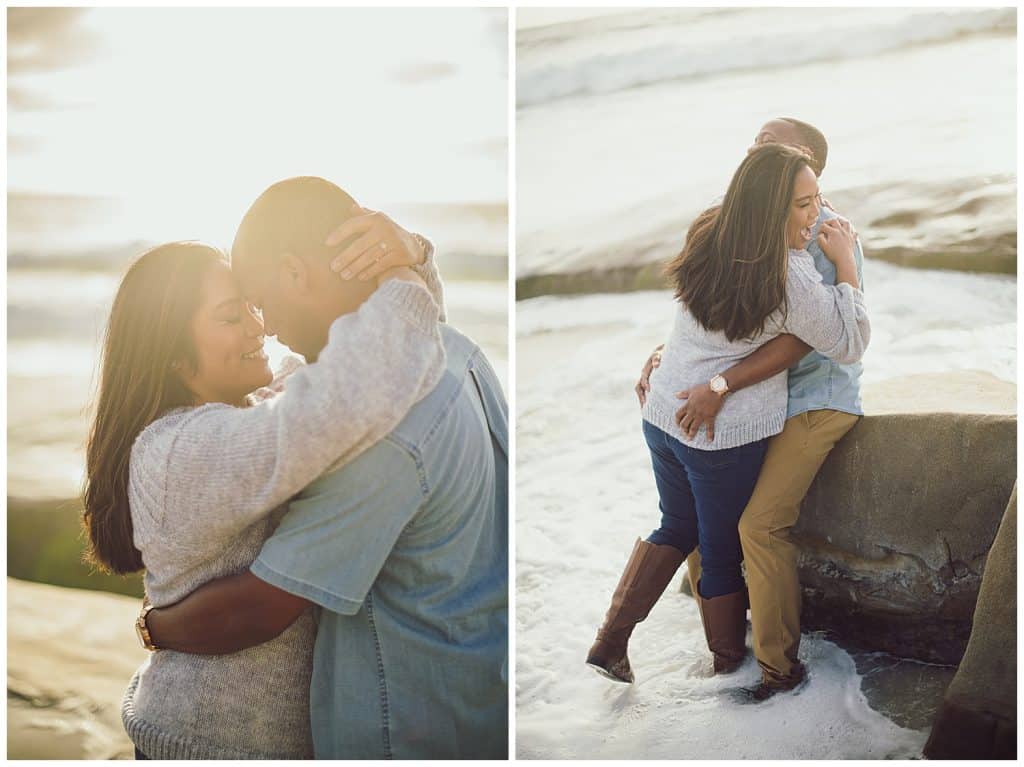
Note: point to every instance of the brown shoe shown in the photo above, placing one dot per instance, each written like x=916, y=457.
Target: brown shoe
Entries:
x=648, y=572
x=771, y=686
x=725, y=628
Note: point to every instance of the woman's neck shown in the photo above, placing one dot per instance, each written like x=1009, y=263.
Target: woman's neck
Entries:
x=200, y=400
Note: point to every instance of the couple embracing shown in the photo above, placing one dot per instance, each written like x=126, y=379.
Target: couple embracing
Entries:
x=765, y=349
x=325, y=550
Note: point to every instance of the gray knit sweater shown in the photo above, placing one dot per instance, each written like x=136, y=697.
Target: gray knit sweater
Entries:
x=206, y=489
x=831, y=318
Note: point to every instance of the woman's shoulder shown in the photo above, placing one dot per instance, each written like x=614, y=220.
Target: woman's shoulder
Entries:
x=802, y=273
x=155, y=442
x=156, y=451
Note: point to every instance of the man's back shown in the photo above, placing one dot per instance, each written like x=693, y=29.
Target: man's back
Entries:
x=406, y=548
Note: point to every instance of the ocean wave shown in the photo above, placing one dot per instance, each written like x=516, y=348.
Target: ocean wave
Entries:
x=86, y=258
x=712, y=45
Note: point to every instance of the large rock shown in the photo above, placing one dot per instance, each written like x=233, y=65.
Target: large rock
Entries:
x=967, y=224
x=978, y=718
x=70, y=654
x=895, y=530
x=896, y=527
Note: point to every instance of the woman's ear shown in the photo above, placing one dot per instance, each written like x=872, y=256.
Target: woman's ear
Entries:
x=184, y=371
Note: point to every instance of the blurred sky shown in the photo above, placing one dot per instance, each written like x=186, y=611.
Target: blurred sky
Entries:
x=186, y=115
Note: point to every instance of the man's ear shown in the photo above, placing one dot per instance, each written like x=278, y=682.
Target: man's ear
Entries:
x=293, y=273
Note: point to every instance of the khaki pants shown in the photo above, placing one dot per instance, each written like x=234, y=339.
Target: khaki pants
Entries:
x=793, y=459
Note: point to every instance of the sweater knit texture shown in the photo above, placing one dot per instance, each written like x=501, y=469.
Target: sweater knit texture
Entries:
x=207, y=487
x=833, y=319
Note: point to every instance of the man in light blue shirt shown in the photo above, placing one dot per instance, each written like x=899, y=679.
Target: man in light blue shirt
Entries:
x=824, y=404
x=404, y=550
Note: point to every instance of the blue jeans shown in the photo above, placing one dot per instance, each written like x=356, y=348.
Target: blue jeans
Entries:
x=703, y=493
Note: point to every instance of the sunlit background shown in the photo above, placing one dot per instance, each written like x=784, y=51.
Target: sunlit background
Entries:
x=129, y=127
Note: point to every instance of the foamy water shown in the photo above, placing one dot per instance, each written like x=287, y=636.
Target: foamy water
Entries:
x=605, y=52
x=585, y=492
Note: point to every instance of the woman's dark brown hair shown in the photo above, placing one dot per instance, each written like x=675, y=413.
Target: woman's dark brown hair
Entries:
x=731, y=273
x=148, y=332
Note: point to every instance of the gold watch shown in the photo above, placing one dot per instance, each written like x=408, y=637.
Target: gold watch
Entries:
x=143, y=630
x=719, y=385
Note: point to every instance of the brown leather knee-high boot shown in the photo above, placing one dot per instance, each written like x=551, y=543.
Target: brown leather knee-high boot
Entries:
x=648, y=572
x=725, y=628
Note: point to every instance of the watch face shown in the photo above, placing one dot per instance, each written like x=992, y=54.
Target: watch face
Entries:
x=718, y=385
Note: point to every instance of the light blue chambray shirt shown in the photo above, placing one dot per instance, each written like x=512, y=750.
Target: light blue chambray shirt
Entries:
x=406, y=551
x=816, y=382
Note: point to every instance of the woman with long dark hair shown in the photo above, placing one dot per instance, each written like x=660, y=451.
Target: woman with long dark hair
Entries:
x=186, y=392
x=742, y=278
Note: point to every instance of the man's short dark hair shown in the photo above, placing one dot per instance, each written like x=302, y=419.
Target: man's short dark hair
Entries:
x=292, y=216
x=813, y=139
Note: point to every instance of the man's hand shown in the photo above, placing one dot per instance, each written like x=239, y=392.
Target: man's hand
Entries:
x=375, y=244
x=644, y=385
x=701, y=407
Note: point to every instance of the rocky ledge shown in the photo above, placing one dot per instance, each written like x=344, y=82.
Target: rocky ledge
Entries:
x=896, y=528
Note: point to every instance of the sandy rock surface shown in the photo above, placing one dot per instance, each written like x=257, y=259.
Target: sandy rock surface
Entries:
x=896, y=527
x=70, y=654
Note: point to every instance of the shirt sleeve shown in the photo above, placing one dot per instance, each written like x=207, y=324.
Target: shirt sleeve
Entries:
x=229, y=467
x=833, y=319
x=334, y=540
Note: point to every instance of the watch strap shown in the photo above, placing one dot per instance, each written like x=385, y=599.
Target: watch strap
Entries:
x=143, y=628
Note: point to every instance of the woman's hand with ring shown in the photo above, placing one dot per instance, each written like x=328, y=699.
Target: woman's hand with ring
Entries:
x=701, y=407
x=837, y=238
x=373, y=244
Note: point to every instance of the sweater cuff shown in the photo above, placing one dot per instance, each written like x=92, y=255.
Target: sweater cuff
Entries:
x=429, y=273
x=410, y=301
x=856, y=293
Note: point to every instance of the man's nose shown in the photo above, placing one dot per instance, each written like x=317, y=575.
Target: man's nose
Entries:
x=268, y=328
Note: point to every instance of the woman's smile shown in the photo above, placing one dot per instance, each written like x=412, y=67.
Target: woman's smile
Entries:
x=803, y=210
x=256, y=355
